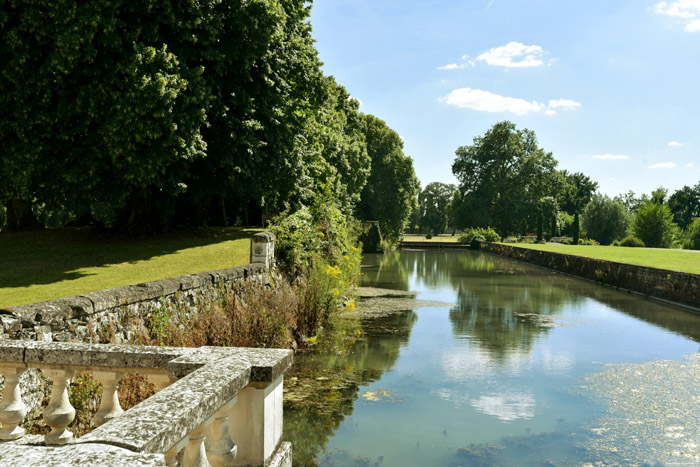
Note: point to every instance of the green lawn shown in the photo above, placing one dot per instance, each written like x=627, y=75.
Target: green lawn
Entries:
x=675, y=260
x=54, y=263
x=436, y=238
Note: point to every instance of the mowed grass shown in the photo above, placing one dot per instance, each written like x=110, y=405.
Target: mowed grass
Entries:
x=436, y=238
x=674, y=260
x=54, y=263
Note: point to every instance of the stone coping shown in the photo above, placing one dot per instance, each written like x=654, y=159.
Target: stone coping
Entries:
x=210, y=377
x=31, y=450
x=59, y=310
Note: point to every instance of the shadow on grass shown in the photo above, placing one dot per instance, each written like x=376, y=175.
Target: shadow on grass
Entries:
x=54, y=255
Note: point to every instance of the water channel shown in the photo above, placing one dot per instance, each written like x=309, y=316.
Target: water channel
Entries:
x=461, y=358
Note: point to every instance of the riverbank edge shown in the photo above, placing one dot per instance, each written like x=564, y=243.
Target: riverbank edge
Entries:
x=677, y=288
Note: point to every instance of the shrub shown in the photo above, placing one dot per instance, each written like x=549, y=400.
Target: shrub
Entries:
x=486, y=234
x=604, y=219
x=567, y=241
x=587, y=241
x=692, y=241
x=653, y=224
x=511, y=240
x=632, y=241
x=429, y=234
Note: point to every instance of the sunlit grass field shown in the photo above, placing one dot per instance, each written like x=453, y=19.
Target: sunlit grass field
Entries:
x=674, y=260
x=54, y=263
x=436, y=238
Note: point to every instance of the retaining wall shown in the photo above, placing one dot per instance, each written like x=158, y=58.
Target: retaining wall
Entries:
x=678, y=287
x=115, y=315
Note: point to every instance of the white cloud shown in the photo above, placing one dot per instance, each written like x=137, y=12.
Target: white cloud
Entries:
x=485, y=101
x=514, y=55
x=663, y=165
x=452, y=66
x=610, y=157
x=689, y=164
x=564, y=104
x=674, y=144
x=687, y=12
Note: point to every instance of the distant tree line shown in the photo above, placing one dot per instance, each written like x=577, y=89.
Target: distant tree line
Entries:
x=508, y=182
x=147, y=114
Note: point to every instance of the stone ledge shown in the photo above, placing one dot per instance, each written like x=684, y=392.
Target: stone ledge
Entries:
x=57, y=312
x=162, y=420
x=31, y=450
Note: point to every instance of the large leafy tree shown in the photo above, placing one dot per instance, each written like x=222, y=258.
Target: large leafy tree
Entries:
x=99, y=101
x=340, y=148
x=392, y=186
x=685, y=205
x=605, y=219
x=434, y=203
x=574, y=191
x=502, y=176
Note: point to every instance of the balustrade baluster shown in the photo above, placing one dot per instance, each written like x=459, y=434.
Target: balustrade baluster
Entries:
x=221, y=450
x=109, y=405
x=60, y=412
x=12, y=408
x=195, y=455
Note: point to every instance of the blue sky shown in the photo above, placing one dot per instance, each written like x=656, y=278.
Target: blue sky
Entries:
x=609, y=87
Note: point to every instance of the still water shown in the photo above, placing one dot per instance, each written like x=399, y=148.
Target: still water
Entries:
x=500, y=363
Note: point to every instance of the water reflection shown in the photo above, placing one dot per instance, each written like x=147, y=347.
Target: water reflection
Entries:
x=323, y=386
x=487, y=383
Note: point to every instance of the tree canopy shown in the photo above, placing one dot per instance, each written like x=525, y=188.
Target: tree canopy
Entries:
x=502, y=176
x=159, y=112
x=388, y=196
x=434, y=203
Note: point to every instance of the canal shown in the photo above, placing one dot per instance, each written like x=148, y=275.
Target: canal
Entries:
x=462, y=358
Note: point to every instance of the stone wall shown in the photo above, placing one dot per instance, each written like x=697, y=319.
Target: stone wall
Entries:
x=116, y=315
x=678, y=287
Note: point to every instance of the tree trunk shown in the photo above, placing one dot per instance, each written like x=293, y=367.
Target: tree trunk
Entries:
x=20, y=216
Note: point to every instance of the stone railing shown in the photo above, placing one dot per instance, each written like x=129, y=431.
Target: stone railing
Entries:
x=213, y=406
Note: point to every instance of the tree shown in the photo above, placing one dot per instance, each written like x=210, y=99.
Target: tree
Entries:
x=576, y=229
x=540, y=226
x=685, y=205
x=392, y=185
x=575, y=191
x=653, y=224
x=523, y=227
x=433, y=204
x=553, y=226
x=502, y=176
x=605, y=219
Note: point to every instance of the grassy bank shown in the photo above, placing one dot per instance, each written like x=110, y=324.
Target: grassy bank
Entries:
x=674, y=260
x=54, y=263
x=436, y=238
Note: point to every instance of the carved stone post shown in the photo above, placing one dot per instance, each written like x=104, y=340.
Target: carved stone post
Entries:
x=195, y=455
x=221, y=450
x=109, y=405
x=262, y=248
x=59, y=413
x=255, y=423
x=12, y=409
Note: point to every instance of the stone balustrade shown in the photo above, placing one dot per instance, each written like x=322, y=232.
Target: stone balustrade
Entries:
x=214, y=406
